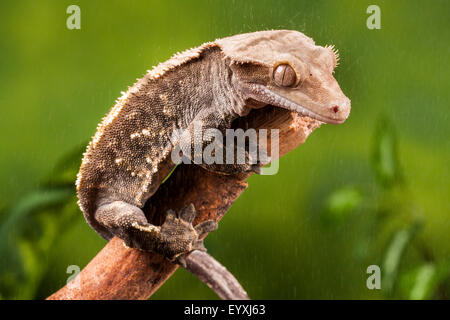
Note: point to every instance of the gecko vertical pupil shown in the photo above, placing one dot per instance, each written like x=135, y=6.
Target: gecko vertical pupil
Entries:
x=284, y=75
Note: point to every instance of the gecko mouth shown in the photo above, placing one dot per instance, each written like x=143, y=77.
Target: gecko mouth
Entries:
x=272, y=98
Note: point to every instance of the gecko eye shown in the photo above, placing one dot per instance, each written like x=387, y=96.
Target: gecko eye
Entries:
x=284, y=76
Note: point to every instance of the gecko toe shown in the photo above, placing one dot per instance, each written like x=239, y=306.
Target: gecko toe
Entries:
x=188, y=213
x=205, y=227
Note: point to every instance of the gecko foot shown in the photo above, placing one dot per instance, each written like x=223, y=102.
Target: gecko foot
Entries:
x=175, y=237
x=179, y=237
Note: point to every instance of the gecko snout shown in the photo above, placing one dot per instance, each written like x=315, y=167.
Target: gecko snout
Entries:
x=340, y=109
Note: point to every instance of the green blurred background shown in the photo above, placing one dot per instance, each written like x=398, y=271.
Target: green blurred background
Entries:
x=373, y=191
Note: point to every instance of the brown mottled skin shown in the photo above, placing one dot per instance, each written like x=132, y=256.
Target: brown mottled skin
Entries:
x=211, y=85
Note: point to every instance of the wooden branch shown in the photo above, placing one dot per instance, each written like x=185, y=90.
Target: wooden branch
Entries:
x=122, y=273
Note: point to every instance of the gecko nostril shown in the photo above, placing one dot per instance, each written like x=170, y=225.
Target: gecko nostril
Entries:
x=335, y=108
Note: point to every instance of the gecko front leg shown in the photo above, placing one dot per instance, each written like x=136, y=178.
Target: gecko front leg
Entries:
x=248, y=165
x=214, y=155
x=234, y=159
x=173, y=239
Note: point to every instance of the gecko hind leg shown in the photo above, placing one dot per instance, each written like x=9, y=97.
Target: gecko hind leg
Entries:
x=173, y=239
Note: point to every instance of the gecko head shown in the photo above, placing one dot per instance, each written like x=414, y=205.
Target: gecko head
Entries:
x=286, y=69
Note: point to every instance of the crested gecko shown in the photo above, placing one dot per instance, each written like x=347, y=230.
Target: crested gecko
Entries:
x=211, y=85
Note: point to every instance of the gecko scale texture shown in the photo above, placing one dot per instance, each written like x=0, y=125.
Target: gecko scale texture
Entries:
x=212, y=85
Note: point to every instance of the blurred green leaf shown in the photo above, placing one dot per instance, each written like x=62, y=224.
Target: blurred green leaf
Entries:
x=394, y=253
x=66, y=169
x=424, y=281
x=29, y=204
x=341, y=203
x=32, y=224
x=385, y=154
